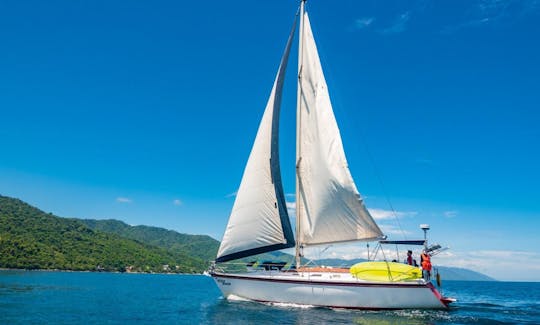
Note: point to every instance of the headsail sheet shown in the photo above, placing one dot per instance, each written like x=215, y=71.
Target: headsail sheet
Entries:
x=330, y=207
x=259, y=221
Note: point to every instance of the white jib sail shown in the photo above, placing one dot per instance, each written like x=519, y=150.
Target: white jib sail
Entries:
x=259, y=221
x=331, y=209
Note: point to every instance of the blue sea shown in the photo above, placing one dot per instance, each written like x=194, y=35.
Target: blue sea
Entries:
x=39, y=297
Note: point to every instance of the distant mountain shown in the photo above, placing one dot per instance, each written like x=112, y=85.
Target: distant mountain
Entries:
x=33, y=239
x=447, y=272
x=200, y=246
x=456, y=273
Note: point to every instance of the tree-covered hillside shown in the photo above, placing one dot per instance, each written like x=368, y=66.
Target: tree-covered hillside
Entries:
x=200, y=246
x=33, y=239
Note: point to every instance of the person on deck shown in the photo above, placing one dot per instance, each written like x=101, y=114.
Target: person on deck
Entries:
x=409, y=259
x=426, y=265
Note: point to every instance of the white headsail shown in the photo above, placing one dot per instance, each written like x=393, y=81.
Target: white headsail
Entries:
x=329, y=206
x=259, y=221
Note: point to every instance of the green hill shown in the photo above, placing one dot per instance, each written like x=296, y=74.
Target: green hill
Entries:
x=33, y=239
x=200, y=246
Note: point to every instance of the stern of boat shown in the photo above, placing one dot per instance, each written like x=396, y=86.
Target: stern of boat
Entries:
x=446, y=301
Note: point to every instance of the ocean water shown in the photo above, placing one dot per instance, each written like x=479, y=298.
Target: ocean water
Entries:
x=37, y=297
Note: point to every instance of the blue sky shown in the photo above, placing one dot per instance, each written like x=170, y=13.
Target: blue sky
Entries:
x=146, y=112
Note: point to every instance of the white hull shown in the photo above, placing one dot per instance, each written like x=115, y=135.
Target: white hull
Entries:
x=328, y=289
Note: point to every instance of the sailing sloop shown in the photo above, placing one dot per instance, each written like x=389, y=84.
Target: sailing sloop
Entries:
x=329, y=208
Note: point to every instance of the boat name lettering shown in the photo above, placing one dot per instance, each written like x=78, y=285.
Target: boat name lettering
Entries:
x=223, y=282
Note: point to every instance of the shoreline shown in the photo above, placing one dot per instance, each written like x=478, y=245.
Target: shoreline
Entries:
x=90, y=271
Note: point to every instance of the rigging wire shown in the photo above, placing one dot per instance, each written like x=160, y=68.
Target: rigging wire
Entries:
x=381, y=184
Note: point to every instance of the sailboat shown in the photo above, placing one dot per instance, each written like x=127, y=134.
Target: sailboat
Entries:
x=329, y=208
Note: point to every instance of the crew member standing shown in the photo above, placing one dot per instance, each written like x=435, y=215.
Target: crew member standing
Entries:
x=426, y=265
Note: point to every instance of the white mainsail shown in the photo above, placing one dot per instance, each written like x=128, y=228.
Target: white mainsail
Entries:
x=329, y=207
x=259, y=221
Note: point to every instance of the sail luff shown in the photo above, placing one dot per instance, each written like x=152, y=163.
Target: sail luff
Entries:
x=298, y=130
x=259, y=221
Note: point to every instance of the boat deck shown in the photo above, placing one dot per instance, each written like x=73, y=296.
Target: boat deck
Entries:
x=323, y=269
x=326, y=275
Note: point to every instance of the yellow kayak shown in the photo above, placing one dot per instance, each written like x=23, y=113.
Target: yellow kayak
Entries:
x=385, y=271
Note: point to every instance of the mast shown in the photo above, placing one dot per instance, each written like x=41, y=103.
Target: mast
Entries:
x=298, y=128
x=329, y=207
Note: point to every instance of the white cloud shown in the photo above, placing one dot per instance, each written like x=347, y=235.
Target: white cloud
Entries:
x=495, y=9
x=291, y=205
x=393, y=230
x=291, y=208
x=399, y=25
x=499, y=264
x=233, y=194
x=123, y=200
x=379, y=214
x=484, y=12
x=450, y=214
x=364, y=22
x=177, y=202
x=471, y=23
